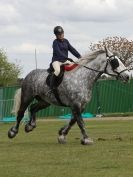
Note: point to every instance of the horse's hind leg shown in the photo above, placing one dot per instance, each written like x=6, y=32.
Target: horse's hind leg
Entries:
x=34, y=108
x=25, y=101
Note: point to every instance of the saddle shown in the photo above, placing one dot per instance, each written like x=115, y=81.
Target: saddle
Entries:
x=58, y=79
x=63, y=69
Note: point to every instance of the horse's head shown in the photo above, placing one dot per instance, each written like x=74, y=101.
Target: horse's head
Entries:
x=115, y=67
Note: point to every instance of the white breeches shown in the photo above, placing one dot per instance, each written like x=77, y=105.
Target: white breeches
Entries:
x=56, y=65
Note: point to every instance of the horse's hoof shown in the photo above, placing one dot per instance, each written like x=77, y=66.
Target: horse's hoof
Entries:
x=60, y=131
x=33, y=124
x=12, y=132
x=28, y=128
x=62, y=139
x=87, y=141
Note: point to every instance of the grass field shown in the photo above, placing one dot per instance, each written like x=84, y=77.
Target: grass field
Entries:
x=38, y=154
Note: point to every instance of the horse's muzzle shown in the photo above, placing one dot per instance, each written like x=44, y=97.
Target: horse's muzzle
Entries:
x=125, y=76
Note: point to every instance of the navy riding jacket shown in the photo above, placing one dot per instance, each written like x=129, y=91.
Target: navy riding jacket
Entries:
x=60, y=50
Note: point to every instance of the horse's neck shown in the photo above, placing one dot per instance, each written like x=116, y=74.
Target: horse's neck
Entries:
x=87, y=77
x=96, y=64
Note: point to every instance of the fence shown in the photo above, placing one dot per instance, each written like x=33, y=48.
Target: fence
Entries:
x=109, y=96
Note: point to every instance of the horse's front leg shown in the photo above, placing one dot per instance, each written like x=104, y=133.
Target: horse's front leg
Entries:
x=64, y=131
x=85, y=139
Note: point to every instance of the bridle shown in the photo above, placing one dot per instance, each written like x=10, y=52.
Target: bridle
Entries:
x=109, y=59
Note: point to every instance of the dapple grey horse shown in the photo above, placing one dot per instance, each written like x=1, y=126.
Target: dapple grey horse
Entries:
x=74, y=91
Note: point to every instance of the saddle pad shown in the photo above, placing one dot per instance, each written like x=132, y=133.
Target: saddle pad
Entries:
x=70, y=67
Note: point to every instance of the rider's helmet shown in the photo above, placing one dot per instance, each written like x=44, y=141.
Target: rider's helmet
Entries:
x=58, y=30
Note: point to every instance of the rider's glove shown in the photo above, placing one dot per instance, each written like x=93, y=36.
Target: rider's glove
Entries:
x=70, y=59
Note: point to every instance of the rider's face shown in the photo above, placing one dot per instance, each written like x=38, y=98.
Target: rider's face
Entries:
x=60, y=36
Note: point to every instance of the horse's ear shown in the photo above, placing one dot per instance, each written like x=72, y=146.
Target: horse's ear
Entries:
x=106, y=50
x=108, y=53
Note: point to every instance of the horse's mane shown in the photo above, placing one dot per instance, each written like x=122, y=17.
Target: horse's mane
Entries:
x=90, y=56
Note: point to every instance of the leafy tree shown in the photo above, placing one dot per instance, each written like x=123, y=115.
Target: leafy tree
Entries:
x=119, y=45
x=9, y=72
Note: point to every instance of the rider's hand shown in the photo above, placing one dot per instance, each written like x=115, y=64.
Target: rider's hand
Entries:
x=70, y=60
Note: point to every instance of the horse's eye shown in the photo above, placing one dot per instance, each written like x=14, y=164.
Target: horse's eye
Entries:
x=114, y=63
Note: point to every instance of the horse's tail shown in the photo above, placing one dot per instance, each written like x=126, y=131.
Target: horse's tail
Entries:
x=17, y=102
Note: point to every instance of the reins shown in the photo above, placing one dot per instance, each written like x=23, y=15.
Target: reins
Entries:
x=105, y=70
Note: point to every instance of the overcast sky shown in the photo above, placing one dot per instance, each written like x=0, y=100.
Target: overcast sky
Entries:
x=26, y=25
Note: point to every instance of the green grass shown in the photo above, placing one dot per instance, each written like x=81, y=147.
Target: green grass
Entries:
x=38, y=154
x=125, y=114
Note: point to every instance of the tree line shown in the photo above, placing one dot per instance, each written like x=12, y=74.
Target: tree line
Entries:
x=9, y=72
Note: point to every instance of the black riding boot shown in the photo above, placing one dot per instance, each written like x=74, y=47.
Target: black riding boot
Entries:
x=52, y=83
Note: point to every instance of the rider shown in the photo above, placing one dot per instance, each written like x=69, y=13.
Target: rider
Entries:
x=61, y=46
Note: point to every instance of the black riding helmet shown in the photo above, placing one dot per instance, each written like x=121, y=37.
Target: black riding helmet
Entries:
x=58, y=30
